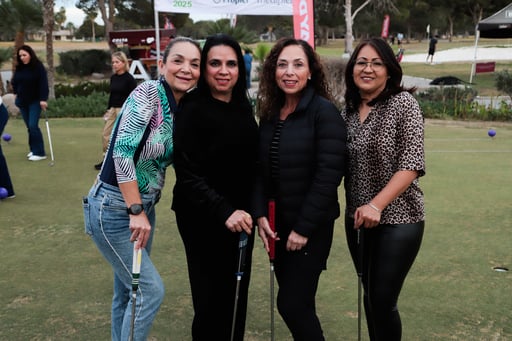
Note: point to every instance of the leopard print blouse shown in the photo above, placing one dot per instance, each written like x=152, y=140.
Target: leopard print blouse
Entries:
x=389, y=140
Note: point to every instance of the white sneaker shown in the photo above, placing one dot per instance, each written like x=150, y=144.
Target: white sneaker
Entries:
x=30, y=154
x=36, y=158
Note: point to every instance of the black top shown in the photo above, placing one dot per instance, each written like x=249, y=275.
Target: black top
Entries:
x=120, y=88
x=312, y=158
x=30, y=84
x=215, y=157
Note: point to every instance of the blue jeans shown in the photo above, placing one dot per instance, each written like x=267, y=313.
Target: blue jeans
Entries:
x=5, y=178
x=107, y=222
x=31, y=113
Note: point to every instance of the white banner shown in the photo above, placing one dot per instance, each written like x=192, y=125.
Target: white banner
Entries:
x=242, y=7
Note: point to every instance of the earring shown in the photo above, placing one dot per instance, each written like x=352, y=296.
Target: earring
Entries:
x=309, y=78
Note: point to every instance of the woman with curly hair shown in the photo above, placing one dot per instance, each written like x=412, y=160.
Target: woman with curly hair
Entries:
x=302, y=157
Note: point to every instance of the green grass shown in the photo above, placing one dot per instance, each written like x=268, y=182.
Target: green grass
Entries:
x=56, y=286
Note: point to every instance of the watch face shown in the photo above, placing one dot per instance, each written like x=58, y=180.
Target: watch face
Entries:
x=135, y=209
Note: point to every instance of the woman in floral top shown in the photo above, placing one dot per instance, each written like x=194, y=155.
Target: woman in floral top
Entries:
x=120, y=208
x=384, y=201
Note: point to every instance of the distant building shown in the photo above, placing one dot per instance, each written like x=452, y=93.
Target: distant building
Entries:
x=58, y=35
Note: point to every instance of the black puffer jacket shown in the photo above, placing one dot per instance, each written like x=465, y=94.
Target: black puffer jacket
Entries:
x=312, y=162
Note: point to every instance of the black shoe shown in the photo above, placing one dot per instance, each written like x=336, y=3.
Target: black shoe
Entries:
x=98, y=166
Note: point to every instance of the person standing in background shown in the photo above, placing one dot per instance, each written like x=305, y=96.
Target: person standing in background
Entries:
x=248, y=66
x=5, y=178
x=216, y=139
x=431, y=49
x=384, y=217
x=122, y=84
x=302, y=160
x=30, y=85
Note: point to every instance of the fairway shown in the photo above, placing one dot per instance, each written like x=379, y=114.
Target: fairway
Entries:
x=56, y=286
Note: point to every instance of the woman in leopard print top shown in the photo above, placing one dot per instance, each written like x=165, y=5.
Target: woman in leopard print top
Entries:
x=384, y=201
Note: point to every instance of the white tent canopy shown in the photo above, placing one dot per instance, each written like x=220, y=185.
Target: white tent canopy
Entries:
x=498, y=25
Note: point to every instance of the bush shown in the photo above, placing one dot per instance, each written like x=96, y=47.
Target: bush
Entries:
x=81, y=89
x=84, y=63
x=335, y=73
x=458, y=103
x=504, y=82
x=93, y=105
x=447, y=102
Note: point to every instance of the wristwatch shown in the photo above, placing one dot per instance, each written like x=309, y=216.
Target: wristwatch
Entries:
x=135, y=209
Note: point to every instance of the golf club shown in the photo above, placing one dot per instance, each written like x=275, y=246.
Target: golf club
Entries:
x=52, y=162
x=271, y=256
x=242, y=247
x=137, y=259
x=360, y=245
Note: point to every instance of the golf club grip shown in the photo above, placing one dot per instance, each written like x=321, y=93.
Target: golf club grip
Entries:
x=272, y=224
x=137, y=260
x=242, y=248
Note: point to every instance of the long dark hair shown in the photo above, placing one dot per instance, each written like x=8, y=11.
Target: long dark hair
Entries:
x=394, y=70
x=270, y=96
x=240, y=89
x=34, y=61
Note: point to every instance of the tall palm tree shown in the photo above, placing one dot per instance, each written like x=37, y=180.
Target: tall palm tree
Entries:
x=49, y=23
x=20, y=16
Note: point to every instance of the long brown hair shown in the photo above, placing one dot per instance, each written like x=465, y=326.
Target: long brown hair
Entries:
x=270, y=96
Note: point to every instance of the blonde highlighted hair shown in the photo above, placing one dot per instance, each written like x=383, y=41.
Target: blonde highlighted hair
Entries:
x=122, y=57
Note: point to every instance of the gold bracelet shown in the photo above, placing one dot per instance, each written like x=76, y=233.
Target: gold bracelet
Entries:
x=374, y=207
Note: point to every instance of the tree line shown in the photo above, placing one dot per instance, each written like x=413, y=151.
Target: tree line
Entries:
x=333, y=18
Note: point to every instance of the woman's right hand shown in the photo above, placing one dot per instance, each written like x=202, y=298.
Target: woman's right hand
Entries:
x=265, y=232
x=239, y=221
x=141, y=230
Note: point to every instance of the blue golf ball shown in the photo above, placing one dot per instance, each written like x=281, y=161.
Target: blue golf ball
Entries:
x=6, y=137
x=3, y=193
x=491, y=132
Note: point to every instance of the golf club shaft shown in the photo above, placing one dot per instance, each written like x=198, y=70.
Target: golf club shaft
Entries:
x=235, y=308
x=271, y=256
x=360, y=246
x=272, y=336
x=242, y=248
x=132, y=323
x=49, y=136
x=136, y=262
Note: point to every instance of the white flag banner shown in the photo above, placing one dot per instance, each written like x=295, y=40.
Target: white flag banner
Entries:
x=242, y=7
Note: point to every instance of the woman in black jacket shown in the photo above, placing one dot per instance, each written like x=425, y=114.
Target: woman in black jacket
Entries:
x=302, y=153
x=216, y=138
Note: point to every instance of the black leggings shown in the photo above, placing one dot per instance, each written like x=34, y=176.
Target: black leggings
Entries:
x=388, y=254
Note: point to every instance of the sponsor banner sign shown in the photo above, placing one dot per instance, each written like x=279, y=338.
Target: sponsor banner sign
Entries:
x=242, y=7
x=304, y=21
x=385, y=27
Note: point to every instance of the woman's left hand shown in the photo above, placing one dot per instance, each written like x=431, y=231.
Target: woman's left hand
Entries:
x=141, y=230
x=366, y=216
x=295, y=241
x=43, y=105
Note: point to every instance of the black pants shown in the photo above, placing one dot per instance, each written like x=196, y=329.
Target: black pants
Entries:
x=298, y=273
x=212, y=258
x=388, y=253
